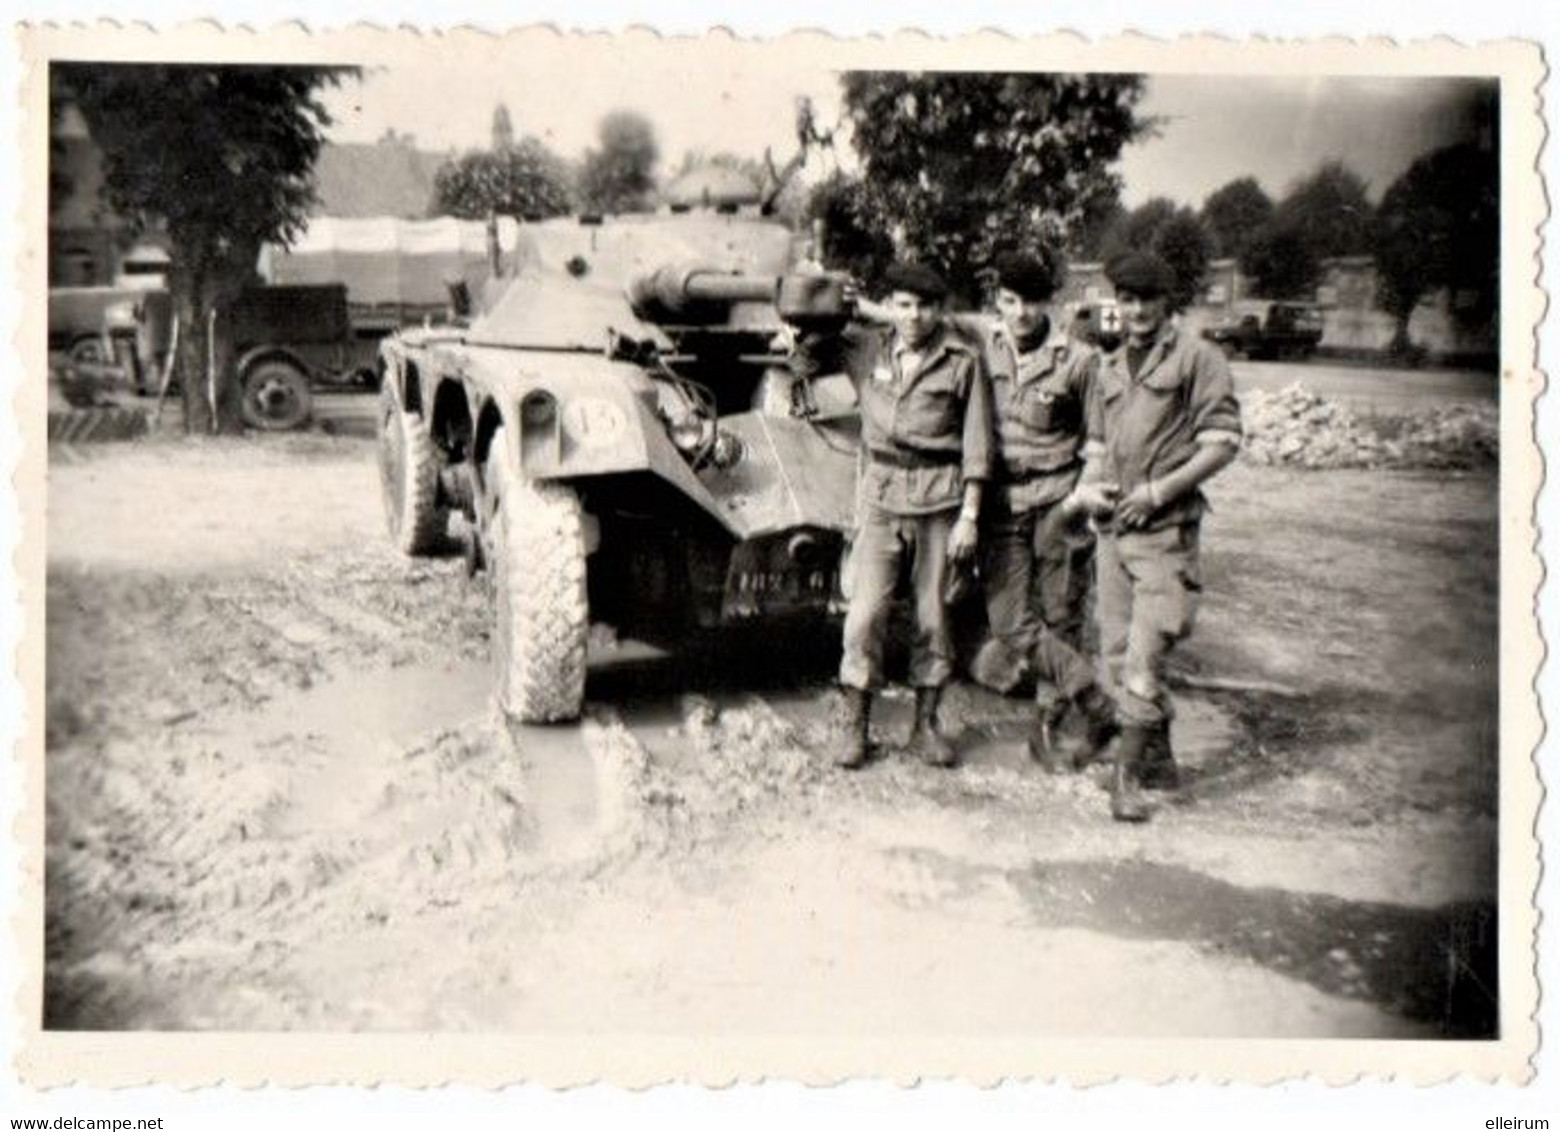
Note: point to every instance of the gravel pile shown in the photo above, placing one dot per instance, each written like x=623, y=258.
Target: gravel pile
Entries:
x=1298, y=428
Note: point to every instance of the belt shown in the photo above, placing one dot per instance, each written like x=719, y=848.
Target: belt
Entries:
x=905, y=458
x=1016, y=475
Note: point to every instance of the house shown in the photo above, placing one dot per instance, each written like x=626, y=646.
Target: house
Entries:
x=389, y=177
x=87, y=239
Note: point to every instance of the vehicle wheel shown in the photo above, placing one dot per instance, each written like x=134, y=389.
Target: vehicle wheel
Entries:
x=409, y=479
x=88, y=351
x=276, y=396
x=541, y=616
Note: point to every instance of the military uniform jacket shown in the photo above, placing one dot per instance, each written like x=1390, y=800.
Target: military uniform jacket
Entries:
x=1145, y=426
x=925, y=421
x=1039, y=402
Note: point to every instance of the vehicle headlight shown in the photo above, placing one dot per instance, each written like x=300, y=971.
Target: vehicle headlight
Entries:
x=691, y=434
x=120, y=315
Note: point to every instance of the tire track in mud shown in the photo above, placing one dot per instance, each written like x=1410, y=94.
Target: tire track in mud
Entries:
x=262, y=835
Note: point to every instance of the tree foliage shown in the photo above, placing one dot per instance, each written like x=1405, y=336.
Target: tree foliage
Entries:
x=1280, y=263
x=1439, y=226
x=960, y=167
x=221, y=158
x=1086, y=237
x=1234, y=214
x=1173, y=232
x=1324, y=214
x=619, y=174
x=525, y=180
x=1330, y=212
x=854, y=237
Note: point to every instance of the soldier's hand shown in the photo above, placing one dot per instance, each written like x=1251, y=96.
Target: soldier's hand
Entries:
x=1137, y=507
x=1097, y=499
x=961, y=542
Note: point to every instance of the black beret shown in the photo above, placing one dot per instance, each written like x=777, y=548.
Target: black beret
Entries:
x=1141, y=273
x=916, y=278
x=1027, y=276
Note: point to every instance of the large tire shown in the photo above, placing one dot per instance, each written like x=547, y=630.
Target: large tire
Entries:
x=276, y=396
x=541, y=614
x=409, y=479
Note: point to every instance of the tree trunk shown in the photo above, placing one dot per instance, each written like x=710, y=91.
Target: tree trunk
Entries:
x=189, y=305
x=1402, y=346
x=203, y=297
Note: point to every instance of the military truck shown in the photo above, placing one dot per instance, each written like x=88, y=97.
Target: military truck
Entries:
x=288, y=339
x=620, y=436
x=1260, y=328
x=1096, y=322
x=77, y=314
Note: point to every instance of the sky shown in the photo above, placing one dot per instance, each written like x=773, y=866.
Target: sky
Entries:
x=1210, y=129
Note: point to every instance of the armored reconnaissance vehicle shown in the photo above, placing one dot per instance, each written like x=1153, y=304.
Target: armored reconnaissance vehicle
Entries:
x=627, y=440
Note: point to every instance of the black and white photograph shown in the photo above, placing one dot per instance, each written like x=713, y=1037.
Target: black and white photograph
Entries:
x=902, y=555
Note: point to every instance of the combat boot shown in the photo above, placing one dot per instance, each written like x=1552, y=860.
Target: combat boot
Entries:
x=1160, y=771
x=1100, y=725
x=852, y=745
x=1126, y=799
x=927, y=741
x=1045, y=742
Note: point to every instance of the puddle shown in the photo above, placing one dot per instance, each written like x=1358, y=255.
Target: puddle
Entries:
x=563, y=788
x=352, y=734
x=1437, y=965
x=353, y=713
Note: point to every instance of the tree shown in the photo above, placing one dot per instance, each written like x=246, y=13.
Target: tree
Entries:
x=1330, y=212
x=1439, y=226
x=1234, y=214
x=525, y=180
x=221, y=157
x=618, y=176
x=1172, y=232
x=1280, y=263
x=960, y=167
x=853, y=238
x=1086, y=237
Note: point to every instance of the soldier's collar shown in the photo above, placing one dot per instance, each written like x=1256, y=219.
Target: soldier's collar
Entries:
x=1043, y=338
x=934, y=342
x=1160, y=343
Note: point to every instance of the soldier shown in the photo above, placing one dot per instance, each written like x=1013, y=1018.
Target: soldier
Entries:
x=925, y=453
x=1034, y=568
x=1162, y=419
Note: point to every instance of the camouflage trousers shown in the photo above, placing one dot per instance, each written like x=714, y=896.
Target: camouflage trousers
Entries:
x=1148, y=588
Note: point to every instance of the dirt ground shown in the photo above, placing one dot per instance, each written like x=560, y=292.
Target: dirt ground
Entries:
x=278, y=798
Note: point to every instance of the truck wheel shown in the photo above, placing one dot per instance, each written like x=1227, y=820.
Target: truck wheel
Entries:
x=409, y=479
x=276, y=396
x=541, y=616
x=88, y=351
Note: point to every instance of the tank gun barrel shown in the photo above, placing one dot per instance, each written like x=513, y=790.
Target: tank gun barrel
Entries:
x=670, y=294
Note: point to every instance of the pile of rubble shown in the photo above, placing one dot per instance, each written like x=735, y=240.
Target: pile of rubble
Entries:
x=1298, y=428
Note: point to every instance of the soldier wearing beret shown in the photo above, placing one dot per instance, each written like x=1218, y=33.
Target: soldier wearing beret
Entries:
x=925, y=453
x=1162, y=419
x=1034, y=567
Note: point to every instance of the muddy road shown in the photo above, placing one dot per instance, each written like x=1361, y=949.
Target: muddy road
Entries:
x=278, y=798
